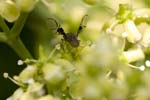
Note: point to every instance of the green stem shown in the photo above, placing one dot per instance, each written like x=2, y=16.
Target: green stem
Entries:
x=19, y=48
x=3, y=25
x=11, y=37
x=3, y=37
x=51, y=54
x=18, y=26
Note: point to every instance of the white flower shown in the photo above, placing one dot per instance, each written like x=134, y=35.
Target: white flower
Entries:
x=142, y=68
x=147, y=63
x=146, y=38
x=20, y=62
x=133, y=33
x=134, y=55
x=26, y=5
x=9, y=10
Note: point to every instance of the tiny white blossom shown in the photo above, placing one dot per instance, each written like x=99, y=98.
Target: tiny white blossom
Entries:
x=30, y=67
x=15, y=77
x=5, y=75
x=134, y=55
x=142, y=68
x=147, y=63
x=124, y=34
x=17, y=94
x=57, y=46
x=30, y=81
x=108, y=30
x=133, y=33
x=146, y=38
x=20, y=62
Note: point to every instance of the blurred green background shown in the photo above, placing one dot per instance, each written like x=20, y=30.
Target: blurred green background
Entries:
x=68, y=13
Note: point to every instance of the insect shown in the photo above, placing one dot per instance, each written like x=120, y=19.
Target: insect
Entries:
x=70, y=37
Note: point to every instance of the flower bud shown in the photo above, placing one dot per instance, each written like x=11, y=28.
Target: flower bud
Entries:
x=92, y=92
x=133, y=33
x=27, y=96
x=147, y=63
x=53, y=74
x=17, y=94
x=133, y=55
x=8, y=10
x=65, y=64
x=20, y=62
x=28, y=73
x=26, y=5
x=146, y=38
x=36, y=88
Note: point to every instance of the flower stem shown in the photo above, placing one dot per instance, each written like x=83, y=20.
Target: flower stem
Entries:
x=3, y=25
x=18, y=25
x=18, y=46
x=11, y=36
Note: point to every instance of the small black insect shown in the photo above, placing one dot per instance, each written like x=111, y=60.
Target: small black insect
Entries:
x=69, y=37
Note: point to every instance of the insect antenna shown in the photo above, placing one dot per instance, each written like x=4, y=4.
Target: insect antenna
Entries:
x=56, y=23
x=58, y=28
x=82, y=25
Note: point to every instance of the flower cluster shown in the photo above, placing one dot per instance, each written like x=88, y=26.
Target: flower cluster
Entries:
x=60, y=78
x=94, y=70
x=131, y=34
